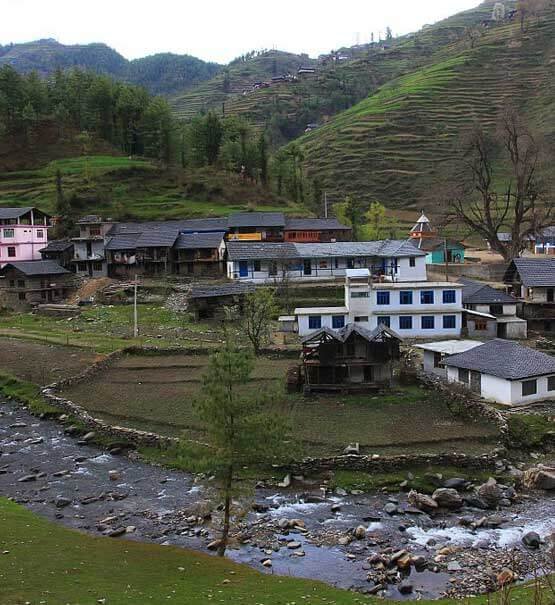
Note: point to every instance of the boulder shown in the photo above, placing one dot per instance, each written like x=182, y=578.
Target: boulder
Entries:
x=422, y=501
x=360, y=532
x=62, y=502
x=490, y=493
x=88, y=436
x=27, y=478
x=406, y=587
x=390, y=508
x=448, y=498
x=293, y=545
x=531, y=539
x=454, y=566
x=455, y=483
x=505, y=576
x=286, y=481
x=540, y=477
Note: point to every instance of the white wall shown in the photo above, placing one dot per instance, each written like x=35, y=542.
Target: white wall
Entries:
x=428, y=365
x=408, y=273
x=541, y=395
x=304, y=330
x=496, y=389
x=508, y=310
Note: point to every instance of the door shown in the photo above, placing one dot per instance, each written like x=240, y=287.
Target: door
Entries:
x=476, y=382
x=307, y=267
x=243, y=268
x=550, y=295
x=501, y=330
x=368, y=374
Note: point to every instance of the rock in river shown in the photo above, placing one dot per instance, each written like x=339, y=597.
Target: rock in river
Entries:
x=531, y=539
x=448, y=498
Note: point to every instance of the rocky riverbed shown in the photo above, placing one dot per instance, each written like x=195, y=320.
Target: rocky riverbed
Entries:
x=378, y=543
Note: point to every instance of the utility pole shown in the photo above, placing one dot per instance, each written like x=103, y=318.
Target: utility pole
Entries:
x=135, y=315
x=325, y=204
x=446, y=259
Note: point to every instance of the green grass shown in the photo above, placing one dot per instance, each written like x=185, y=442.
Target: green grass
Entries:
x=45, y=563
x=25, y=392
x=529, y=431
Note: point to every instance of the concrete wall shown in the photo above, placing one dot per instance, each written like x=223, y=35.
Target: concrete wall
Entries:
x=27, y=241
x=472, y=332
x=428, y=365
x=326, y=322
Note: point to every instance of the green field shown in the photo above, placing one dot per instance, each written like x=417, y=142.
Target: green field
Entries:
x=157, y=393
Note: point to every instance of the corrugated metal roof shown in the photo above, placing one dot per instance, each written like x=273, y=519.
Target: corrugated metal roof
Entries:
x=504, y=359
x=450, y=347
x=222, y=290
x=256, y=219
x=193, y=241
x=274, y=251
x=36, y=267
x=535, y=271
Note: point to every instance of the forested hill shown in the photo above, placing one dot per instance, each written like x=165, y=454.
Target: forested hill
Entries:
x=163, y=73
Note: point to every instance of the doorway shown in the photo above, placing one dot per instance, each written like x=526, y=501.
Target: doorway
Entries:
x=550, y=295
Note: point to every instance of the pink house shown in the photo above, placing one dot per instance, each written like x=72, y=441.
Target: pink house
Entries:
x=23, y=232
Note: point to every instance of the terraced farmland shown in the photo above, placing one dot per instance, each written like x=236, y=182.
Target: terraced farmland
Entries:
x=402, y=142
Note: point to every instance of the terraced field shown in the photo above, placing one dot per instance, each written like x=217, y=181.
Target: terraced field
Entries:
x=403, y=141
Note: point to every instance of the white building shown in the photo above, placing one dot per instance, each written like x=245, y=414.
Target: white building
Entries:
x=413, y=309
x=262, y=262
x=436, y=353
x=505, y=372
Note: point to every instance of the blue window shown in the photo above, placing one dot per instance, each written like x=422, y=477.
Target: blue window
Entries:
x=449, y=296
x=338, y=322
x=428, y=322
x=405, y=298
x=384, y=320
x=449, y=322
x=427, y=297
x=314, y=322
x=382, y=298
x=405, y=322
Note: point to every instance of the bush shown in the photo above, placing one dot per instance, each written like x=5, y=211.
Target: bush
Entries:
x=527, y=431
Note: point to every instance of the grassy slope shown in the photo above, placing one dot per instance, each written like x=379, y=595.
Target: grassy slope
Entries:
x=121, y=187
x=87, y=569
x=401, y=142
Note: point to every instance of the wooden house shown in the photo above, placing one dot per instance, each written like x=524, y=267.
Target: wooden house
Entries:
x=352, y=359
x=208, y=302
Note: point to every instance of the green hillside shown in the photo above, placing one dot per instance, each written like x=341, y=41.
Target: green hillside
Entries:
x=163, y=73
x=402, y=142
x=125, y=188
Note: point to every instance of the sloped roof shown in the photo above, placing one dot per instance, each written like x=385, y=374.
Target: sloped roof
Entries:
x=7, y=213
x=256, y=219
x=57, y=245
x=36, y=267
x=534, y=272
x=422, y=225
x=433, y=243
x=343, y=334
x=504, y=359
x=123, y=242
x=476, y=293
x=222, y=290
x=289, y=250
x=315, y=224
x=193, y=241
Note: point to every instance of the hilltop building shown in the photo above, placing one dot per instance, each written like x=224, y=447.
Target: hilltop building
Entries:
x=439, y=250
x=23, y=232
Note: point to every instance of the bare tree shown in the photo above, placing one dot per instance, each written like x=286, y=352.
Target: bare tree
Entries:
x=517, y=206
x=473, y=33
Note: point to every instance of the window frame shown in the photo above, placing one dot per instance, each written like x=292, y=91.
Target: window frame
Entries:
x=454, y=318
x=360, y=294
x=424, y=294
x=412, y=261
x=335, y=319
x=410, y=296
x=529, y=383
x=314, y=319
x=8, y=233
x=387, y=321
x=385, y=294
x=452, y=294
x=428, y=319
x=361, y=319
x=551, y=383
x=402, y=319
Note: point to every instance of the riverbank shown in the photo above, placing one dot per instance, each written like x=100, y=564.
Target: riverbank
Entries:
x=63, y=479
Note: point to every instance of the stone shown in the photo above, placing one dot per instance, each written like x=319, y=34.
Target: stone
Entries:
x=284, y=523
x=404, y=562
x=286, y=481
x=214, y=545
x=114, y=475
x=448, y=498
x=293, y=545
x=335, y=508
x=490, y=493
x=454, y=566
x=434, y=478
x=114, y=533
x=62, y=502
x=299, y=553
x=505, y=503
x=344, y=540
x=130, y=529
x=406, y=587
x=27, y=478
x=422, y=501
x=340, y=491
x=540, y=477
x=267, y=563
x=88, y=436
x=419, y=562
x=390, y=508
x=505, y=576
x=531, y=539
x=352, y=448
x=455, y=483
x=360, y=532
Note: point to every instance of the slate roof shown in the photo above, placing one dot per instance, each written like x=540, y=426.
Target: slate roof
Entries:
x=90, y=218
x=7, y=213
x=343, y=334
x=36, y=267
x=122, y=242
x=256, y=219
x=504, y=359
x=534, y=272
x=315, y=224
x=57, y=245
x=221, y=290
x=193, y=241
x=262, y=250
x=476, y=293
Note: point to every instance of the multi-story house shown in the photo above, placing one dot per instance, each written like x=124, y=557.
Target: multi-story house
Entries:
x=261, y=262
x=89, y=258
x=23, y=232
x=25, y=284
x=413, y=309
x=532, y=281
